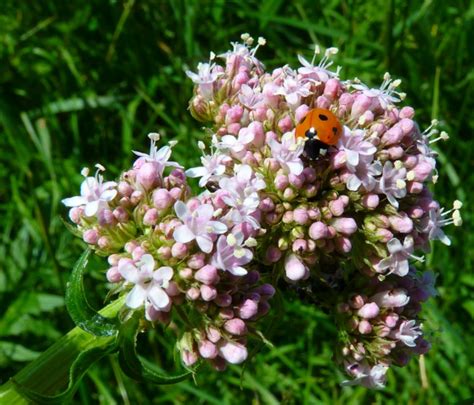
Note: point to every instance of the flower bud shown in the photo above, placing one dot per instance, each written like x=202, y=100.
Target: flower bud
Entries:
x=346, y=226
x=247, y=309
x=223, y=300
x=162, y=199
x=207, y=275
x=300, y=216
x=318, y=230
x=150, y=217
x=179, y=250
x=370, y=201
x=236, y=327
x=91, y=236
x=207, y=349
x=364, y=327
x=234, y=353
x=147, y=175
x=401, y=223
x=113, y=275
x=281, y=182
x=294, y=269
x=369, y=311
x=273, y=254
x=208, y=293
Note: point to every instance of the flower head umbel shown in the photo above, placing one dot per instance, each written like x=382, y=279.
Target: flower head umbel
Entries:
x=342, y=228
x=95, y=194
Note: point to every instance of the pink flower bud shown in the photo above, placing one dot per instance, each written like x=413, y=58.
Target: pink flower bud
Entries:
x=179, y=250
x=357, y=301
x=270, y=135
x=125, y=189
x=226, y=313
x=318, y=230
x=395, y=152
x=104, y=242
x=150, y=217
x=296, y=180
x=234, y=353
x=207, y=275
x=172, y=290
x=193, y=293
x=147, y=175
x=164, y=252
x=113, y=275
x=207, y=349
x=233, y=129
x=343, y=244
x=294, y=269
x=91, y=236
x=336, y=207
x=267, y=205
x=223, y=300
x=196, y=261
x=247, y=309
x=361, y=104
x=285, y=124
x=391, y=320
x=346, y=226
x=301, y=112
x=136, y=197
x=309, y=174
x=383, y=235
x=391, y=299
x=401, y=224
x=331, y=88
x=300, y=216
x=323, y=102
x=208, y=293
x=407, y=112
x=236, y=327
x=281, y=182
x=162, y=199
x=273, y=254
x=234, y=114
x=213, y=334
x=75, y=214
x=137, y=253
x=422, y=171
x=364, y=327
x=120, y=214
x=299, y=246
x=370, y=201
x=369, y=311
x=186, y=273
x=393, y=136
x=414, y=187
x=189, y=357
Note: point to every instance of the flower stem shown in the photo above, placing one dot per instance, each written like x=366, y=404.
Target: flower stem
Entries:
x=50, y=371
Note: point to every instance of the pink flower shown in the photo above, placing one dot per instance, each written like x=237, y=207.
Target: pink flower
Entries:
x=230, y=254
x=391, y=299
x=288, y=153
x=293, y=90
x=197, y=225
x=211, y=170
x=159, y=157
x=370, y=377
x=392, y=183
x=397, y=261
x=355, y=147
x=205, y=77
x=294, y=268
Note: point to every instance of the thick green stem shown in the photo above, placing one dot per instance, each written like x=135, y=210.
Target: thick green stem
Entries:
x=50, y=371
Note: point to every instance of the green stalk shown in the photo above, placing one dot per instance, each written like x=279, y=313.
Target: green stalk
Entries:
x=49, y=373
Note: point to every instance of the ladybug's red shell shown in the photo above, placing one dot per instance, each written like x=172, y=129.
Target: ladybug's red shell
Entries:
x=322, y=124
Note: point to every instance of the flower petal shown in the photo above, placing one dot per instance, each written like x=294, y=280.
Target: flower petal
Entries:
x=181, y=210
x=183, y=234
x=74, y=201
x=136, y=297
x=158, y=297
x=205, y=243
x=91, y=208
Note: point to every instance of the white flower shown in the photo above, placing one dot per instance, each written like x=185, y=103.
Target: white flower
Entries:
x=355, y=147
x=197, y=225
x=158, y=156
x=205, y=77
x=243, y=195
x=392, y=183
x=148, y=283
x=370, y=377
x=250, y=98
x=95, y=194
x=407, y=333
x=320, y=71
x=386, y=94
x=211, y=170
x=293, y=90
x=288, y=153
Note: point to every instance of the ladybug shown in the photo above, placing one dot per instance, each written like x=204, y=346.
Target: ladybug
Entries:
x=321, y=129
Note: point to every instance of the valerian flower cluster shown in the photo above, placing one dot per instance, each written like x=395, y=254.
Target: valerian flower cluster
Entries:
x=345, y=226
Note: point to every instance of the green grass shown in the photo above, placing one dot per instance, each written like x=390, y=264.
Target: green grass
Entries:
x=84, y=82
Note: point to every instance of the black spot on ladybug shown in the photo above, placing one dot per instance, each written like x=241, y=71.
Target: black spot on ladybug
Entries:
x=323, y=117
x=334, y=129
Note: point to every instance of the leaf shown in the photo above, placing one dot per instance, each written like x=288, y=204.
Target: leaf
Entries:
x=80, y=366
x=130, y=362
x=10, y=351
x=81, y=312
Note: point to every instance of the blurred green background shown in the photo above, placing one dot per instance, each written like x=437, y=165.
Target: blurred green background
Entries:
x=84, y=82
